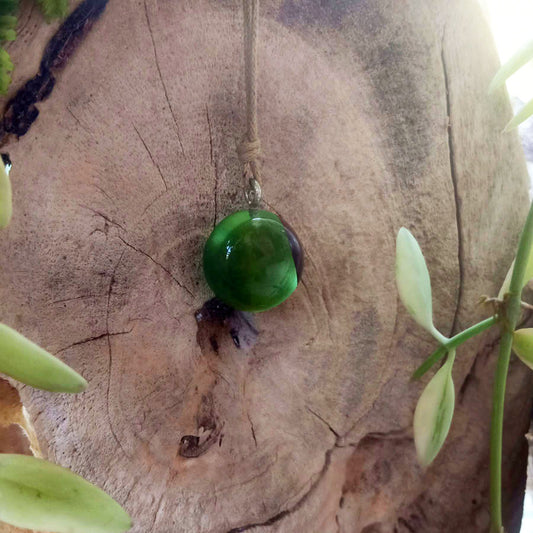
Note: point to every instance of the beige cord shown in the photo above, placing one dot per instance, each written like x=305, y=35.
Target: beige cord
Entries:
x=249, y=150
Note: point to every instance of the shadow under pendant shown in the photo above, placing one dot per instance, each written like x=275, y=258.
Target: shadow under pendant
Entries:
x=252, y=260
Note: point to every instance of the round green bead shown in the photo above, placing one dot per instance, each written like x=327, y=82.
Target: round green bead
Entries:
x=248, y=261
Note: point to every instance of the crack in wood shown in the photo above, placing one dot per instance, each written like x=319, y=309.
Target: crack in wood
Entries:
x=402, y=521
x=156, y=57
x=110, y=354
x=337, y=435
x=250, y=479
x=104, y=216
x=95, y=338
x=151, y=203
x=163, y=267
x=104, y=193
x=210, y=134
x=151, y=157
x=457, y=198
x=71, y=113
x=214, y=164
x=252, y=428
x=279, y=516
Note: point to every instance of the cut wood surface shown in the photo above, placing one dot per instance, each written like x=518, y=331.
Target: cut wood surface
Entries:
x=373, y=115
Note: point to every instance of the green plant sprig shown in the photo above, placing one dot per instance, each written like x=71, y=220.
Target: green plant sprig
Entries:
x=53, y=9
x=454, y=342
x=517, y=61
x=434, y=410
x=511, y=311
x=8, y=23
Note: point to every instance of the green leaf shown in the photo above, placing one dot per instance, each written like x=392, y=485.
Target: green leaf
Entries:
x=53, y=9
x=518, y=60
x=523, y=345
x=528, y=275
x=8, y=22
x=434, y=412
x=6, y=66
x=6, y=208
x=521, y=116
x=506, y=282
x=7, y=34
x=42, y=496
x=26, y=362
x=412, y=280
x=8, y=7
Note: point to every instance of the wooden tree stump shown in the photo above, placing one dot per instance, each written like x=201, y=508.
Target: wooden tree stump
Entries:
x=373, y=115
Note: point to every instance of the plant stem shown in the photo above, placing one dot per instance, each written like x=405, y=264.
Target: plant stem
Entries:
x=455, y=341
x=510, y=316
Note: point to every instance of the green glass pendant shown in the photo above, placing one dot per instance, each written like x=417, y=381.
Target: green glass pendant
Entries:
x=252, y=261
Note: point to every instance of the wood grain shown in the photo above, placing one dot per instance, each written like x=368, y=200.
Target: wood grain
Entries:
x=372, y=115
